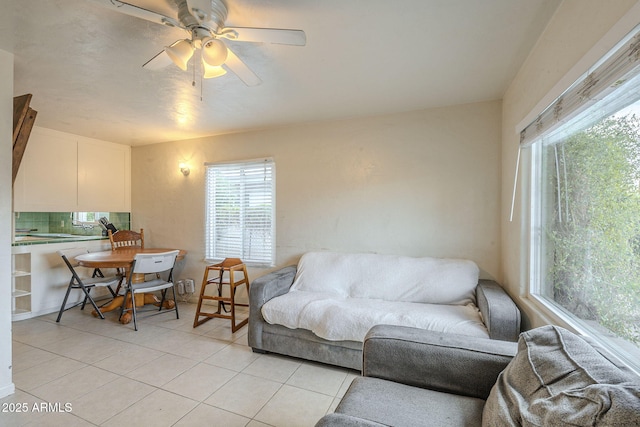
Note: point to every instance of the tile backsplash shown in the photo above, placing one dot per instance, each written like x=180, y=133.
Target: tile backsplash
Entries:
x=61, y=222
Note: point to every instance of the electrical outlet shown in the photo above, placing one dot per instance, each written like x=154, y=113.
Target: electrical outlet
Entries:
x=189, y=286
x=180, y=286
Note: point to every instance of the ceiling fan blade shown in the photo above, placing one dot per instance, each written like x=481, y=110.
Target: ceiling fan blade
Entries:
x=139, y=12
x=159, y=61
x=241, y=70
x=264, y=35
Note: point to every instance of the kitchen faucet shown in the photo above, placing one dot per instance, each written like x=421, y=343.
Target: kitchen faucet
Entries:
x=84, y=225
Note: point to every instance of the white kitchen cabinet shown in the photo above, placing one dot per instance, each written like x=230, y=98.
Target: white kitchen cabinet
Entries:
x=62, y=172
x=47, y=180
x=104, y=176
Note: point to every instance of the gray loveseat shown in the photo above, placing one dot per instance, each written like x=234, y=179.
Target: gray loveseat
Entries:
x=552, y=377
x=498, y=314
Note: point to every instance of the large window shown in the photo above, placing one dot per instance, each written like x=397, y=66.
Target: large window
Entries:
x=88, y=217
x=240, y=206
x=585, y=203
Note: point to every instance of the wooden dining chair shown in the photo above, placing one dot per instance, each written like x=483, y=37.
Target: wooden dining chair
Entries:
x=126, y=238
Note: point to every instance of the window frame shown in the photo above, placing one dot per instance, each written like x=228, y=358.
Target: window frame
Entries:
x=211, y=250
x=551, y=311
x=80, y=218
x=533, y=259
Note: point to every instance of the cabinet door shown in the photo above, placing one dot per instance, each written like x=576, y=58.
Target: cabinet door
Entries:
x=104, y=176
x=47, y=178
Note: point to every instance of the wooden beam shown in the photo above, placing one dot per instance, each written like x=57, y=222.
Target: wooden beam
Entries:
x=20, y=109
x=20, y=143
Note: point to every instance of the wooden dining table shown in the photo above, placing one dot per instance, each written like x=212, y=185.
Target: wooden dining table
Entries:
x=122, y=258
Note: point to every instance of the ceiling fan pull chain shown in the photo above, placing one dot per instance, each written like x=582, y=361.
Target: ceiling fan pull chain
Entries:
x=201, y=74
x=193, y=82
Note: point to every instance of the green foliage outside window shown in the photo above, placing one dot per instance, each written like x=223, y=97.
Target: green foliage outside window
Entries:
x=592, y=225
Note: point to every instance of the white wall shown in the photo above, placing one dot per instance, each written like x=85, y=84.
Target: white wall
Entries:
x=423, y=183
x=6, y=147
x=577, y=36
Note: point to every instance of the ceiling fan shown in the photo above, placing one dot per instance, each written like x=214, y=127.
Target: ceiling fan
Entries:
x=204, y=20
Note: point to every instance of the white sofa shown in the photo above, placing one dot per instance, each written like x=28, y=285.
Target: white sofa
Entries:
x=322, y=308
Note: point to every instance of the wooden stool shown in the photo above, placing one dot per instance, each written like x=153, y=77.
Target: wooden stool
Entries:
x=230, y=266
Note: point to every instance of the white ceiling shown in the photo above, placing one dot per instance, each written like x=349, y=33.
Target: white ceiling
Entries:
x=82, y=63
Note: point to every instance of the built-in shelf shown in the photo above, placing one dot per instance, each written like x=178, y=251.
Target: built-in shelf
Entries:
x=21, y=286
x=19, y=293
x=19, y=273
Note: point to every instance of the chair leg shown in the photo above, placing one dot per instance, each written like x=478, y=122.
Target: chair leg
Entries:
x=133, y=310
x=175, y=301
x=64, y=302
x=123, y=307
x=93, y=303
x=164, y=294
x=232, y=293
x=84, y=301
x=123, y=277
x=205, y=282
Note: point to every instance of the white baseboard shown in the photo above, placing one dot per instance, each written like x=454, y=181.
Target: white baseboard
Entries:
x=7, y=390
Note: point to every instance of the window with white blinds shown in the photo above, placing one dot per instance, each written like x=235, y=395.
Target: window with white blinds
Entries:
x=583, y=192
x=240, y=211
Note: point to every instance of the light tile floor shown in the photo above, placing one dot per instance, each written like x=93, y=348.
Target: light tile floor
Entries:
x=87, y=371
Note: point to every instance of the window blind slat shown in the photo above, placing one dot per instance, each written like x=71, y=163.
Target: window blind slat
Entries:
x=240, y=211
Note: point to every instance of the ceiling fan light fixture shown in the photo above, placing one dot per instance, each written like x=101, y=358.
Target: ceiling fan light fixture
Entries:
x=210, y=72
x=180, y=53
x=214, y=52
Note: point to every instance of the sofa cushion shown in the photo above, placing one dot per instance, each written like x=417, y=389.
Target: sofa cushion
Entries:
x=349, y=319
x=557, y=378
x=342, y=420
x=395, y=404
x=388, y=277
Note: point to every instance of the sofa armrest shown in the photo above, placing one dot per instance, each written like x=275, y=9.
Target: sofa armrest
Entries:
x=438, y=361
x=272, y=285
x=500, y=314
x=263, y=289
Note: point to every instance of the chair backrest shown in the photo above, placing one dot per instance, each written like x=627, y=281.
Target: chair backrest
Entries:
x=69, y=256
x=126, y=238
x=154, y=262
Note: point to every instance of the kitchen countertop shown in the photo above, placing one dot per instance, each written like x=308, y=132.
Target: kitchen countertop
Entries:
x=47, y=238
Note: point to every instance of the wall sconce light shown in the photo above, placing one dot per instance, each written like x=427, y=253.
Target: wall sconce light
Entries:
x=184, y=168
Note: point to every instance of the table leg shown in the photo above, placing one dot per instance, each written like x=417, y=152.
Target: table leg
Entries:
x=146, y=299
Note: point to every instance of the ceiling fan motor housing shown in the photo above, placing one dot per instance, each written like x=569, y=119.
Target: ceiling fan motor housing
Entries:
x=190, y=20
x=218, y=13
